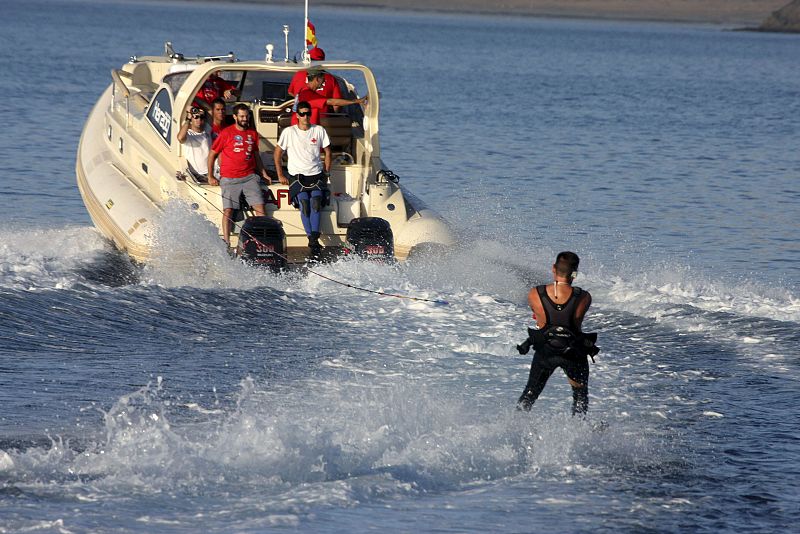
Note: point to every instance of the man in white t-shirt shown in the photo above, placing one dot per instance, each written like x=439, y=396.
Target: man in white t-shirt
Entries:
x=304, y=144
x=195, y=136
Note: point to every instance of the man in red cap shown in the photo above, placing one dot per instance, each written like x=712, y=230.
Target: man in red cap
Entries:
x=329, y=89
x=318, y=101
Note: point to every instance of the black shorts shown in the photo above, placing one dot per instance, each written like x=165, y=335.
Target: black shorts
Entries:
x=575, y=367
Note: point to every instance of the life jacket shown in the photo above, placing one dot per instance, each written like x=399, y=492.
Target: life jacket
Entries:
x=560, y=333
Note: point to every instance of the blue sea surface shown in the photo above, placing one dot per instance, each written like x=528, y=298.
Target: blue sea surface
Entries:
x=195, y=393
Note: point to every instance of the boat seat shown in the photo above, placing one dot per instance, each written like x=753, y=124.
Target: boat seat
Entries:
x=340, y=130
x=284, y=121
x=338, y=125
x=141, y=78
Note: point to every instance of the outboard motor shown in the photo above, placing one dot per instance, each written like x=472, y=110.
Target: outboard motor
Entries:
x=371, y=237
x=262, y=242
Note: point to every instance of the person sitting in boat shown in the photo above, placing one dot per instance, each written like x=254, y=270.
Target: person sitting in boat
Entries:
x=215, y=87
x=240, y=170
x=304, y=144
x=195, y=138
x=219, y=120
x=318, y=102
x=330, y=87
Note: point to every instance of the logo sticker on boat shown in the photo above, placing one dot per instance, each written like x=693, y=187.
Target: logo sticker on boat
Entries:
x=283, y=195
x=160, y=114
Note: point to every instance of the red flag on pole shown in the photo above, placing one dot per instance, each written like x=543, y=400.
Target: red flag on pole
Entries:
x=311, y=34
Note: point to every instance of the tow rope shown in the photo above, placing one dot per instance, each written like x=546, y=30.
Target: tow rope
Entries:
x=436, y=302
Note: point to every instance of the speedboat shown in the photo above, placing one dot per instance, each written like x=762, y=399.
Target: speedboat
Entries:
x=130, y=163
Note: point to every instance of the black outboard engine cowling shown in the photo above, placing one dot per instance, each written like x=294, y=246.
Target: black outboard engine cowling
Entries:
x=371, y=237
x=262, y=242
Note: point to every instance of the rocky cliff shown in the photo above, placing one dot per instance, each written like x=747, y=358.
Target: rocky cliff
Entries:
x=786, y=19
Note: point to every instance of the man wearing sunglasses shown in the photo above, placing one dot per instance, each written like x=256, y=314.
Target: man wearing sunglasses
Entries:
x=194, y=137
x=304, y=144
x=317, y=101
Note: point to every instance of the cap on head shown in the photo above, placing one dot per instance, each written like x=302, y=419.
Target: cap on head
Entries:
x=315, y=72
x=317, y=54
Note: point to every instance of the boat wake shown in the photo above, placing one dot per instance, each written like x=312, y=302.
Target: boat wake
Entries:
x=352, y=399
x=334, y=443
x=188, y=253
x=34, y=259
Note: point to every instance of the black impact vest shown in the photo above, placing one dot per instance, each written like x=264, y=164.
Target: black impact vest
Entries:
x=560, y=331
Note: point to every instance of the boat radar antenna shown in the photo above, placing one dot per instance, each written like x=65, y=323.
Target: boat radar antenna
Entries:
x=286, y=42
x=270, y=47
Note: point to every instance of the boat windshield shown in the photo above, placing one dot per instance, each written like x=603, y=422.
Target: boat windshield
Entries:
x=352, y=85
x=269, y=87
x=175, y=81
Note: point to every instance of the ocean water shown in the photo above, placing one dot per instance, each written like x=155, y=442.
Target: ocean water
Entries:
x=195, y=393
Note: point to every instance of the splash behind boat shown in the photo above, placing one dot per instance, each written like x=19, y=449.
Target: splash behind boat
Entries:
x=130, y=162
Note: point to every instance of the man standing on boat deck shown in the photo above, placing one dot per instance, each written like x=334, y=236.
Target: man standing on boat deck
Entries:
x=303, y=144
x=240, y=169
x=558, y=310
x=317, y=101
x=329, y=87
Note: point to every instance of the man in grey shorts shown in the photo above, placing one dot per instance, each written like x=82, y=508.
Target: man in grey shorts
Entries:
x=241, y=168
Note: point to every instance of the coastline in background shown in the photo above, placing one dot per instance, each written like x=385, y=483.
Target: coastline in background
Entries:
x=733, y=12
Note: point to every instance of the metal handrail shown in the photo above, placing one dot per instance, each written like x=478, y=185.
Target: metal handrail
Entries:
x=115, y=75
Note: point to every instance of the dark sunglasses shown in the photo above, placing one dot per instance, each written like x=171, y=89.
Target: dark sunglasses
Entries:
x=199, y=117
x=303, y=113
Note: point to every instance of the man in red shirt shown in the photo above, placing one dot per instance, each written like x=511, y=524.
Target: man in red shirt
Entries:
x=330, y=88
x=218, y=119
x=318, y=101
x=240, y=168
x=216, y=87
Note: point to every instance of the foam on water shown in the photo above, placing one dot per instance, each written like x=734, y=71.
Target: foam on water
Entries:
x=187, y=251
x=292, y=402
x=354, y=426
x=334, y=443
x=45, y=258
x=647, y=292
